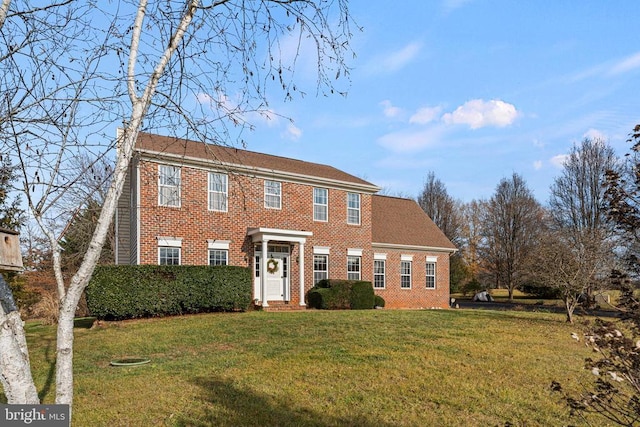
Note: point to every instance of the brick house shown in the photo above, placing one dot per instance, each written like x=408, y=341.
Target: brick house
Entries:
x=292, y=222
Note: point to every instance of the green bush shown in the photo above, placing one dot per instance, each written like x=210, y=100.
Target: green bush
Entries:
x=379, y=301
x=341, y=295
x=472, y=287
x=130, y=291
x=362, y=296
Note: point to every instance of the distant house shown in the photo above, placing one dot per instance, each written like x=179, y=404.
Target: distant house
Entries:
x=292, y=222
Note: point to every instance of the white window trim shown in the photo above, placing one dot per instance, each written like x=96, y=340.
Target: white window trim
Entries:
x=226, y=254
x=432, y=260
x=169, y=241
x=218, y=244
x=279, y=195
x=406, y=257
x=402, y=274
x=379, y=256
x=359, y=266
x=326, y=205
x=383, y=274
x=359, y=209
x=160, y=186
x=321, y=250
x=225, y=193
x=314, y=265
x=354, y=252
x=171, y=247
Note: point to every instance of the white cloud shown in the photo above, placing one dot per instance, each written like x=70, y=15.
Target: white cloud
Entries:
x=537, y=165
x=478, y=113
x=627, y=64
x=394, y=61
x=594, y=134
x=389, y=109
x=425, y=115
x=292, y=132
x=408, y=141
x=559, y=160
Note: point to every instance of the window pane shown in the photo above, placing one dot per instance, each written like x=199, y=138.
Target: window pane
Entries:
x=320, y=268
x=169, y=186
x=272, y=194
x=353, y=208
x=169, y=256
x=353, y=268
x=218, y=192
x=218, y=256
x=320, y=204
x=405, y=274
x=378, y=274
x=431, y=275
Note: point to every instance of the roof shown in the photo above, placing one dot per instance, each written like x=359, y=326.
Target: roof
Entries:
x=248, y=161
x=402, y=222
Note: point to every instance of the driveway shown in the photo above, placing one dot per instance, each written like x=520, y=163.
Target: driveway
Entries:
x=478, y=305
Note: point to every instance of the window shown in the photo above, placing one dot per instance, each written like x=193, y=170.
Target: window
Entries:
x=218, y=192
x=218, y=257
x=378, y=273
x=169, y=186
x=353, y=267
x=353, y=208
x=272, y=195
x=431, y=275
x=405, y=274
x=320, y=268
x=320, y=204
x=168, y=255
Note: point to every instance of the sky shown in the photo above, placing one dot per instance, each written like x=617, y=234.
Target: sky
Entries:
x=471, y=90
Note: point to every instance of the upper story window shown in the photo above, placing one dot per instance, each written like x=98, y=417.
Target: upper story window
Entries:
x=218, y=192
x=353, y=208
x=320, y=204
x=273, y=194
x=169, y=186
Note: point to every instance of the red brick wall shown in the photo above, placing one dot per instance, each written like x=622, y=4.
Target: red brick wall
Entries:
x=195, y=225
x=418, y=296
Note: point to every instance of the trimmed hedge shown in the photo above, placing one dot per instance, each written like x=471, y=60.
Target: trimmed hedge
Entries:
x=379, y=301
x=332, y=294
x=118, y=292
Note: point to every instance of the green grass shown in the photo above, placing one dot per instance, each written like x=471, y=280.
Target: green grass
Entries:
x=322, y=368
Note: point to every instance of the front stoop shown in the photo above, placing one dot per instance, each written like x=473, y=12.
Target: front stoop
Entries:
x=283, y=306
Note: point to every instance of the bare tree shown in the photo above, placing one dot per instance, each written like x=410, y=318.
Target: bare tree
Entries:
x=559, y=264
x=443, y=209
x=577, y=208
x=472, y=214
x=510, y=229
x=188, y=67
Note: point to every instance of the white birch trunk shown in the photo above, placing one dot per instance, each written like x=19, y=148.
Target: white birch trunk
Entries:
x=64, y=359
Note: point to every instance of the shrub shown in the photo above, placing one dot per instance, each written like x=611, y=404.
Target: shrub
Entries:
x=472, y=286
x=540, y=291
x=362, y=296
x=47, y=309
x=378, y=301
x=341, y=295
x=130, y=291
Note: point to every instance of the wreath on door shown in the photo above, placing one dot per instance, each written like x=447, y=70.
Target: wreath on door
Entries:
x=272, y=266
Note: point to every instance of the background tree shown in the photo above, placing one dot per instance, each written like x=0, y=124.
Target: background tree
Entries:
x=510, y=229
x=578, y=212
x=472, y=214
x=446, y=213
x=615, y=393
x=192, y=69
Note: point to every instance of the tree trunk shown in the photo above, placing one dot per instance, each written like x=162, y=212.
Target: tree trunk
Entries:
x=570, y=306
x=15, y=369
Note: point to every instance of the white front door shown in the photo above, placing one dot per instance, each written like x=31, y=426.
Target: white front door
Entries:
x=276, y=277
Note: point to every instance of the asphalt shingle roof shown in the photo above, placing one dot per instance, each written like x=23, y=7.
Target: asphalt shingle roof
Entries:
x=403, y=222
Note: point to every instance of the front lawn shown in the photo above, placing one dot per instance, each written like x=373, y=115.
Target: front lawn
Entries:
x=322, y=368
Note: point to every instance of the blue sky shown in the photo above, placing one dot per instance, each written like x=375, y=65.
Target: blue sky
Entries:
x=472, y=90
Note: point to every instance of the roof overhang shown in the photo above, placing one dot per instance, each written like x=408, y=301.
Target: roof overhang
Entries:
x=413, y=247
x=152, y=155
x=261, y=234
